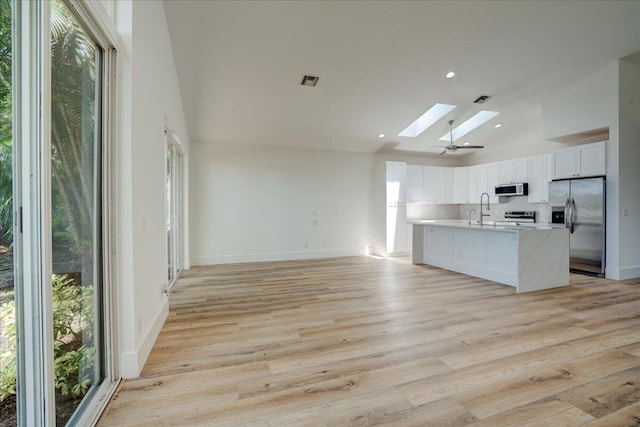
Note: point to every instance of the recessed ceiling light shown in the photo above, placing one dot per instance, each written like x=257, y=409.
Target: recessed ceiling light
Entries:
x=450, y=74
x=498, y=126
x=381, y=135
x=423, y=122
x=466, y=127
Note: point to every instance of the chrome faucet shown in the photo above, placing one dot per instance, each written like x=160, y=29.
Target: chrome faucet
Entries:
x=482, y=214
x=471, y=210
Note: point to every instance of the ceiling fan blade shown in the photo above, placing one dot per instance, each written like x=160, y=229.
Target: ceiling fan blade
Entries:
x=471, y=146
x=443, y=152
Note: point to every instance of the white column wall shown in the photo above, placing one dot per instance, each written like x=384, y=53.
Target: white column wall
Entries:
x=629, y=169
x=148, y=100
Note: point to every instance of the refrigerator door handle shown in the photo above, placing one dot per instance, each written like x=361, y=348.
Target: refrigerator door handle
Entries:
x=567, y=220
x=572, y=215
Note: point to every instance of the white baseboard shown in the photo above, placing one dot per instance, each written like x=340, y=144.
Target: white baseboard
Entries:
x=273, y=256
x=628, y=273
x=131, y=363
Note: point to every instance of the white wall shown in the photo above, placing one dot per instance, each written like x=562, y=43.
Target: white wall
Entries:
x=585, y=105
x=148, y=100
x=524, y=140
x=629, y=169
x=256, y=203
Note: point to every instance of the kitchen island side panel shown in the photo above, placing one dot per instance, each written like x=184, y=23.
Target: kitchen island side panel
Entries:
x=527, y=259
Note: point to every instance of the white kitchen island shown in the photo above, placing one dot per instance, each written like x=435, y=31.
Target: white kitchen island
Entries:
x=528, y=258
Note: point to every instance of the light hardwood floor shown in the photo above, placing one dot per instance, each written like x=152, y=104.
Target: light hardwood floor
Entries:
x=360, y=341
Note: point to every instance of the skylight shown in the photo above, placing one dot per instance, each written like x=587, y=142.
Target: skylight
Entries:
x=466, y=127
x=423, y=122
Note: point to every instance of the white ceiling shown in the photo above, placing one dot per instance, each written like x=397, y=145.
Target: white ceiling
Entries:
x=381, y=65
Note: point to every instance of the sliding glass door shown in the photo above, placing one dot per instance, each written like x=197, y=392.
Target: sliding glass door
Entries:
x=174, y=208
x=76, y=206
x=62, y=196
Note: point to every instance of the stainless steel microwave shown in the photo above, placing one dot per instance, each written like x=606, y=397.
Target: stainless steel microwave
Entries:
x=520, y=189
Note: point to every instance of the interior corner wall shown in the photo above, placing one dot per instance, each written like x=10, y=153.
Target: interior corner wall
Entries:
x=148, y=100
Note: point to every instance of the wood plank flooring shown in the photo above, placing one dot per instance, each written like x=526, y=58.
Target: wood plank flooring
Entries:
x=360, y=341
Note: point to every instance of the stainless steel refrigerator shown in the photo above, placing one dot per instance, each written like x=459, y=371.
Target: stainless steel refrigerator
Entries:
x=579, y=204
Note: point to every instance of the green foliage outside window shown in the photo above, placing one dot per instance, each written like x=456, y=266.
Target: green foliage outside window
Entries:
x=73, y=311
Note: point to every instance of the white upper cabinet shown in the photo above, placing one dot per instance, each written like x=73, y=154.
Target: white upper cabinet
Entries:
x=460, y=185
x=593, y=159
x=521, y=170
x=482, y=183
x=580, y=161
x=493, y=178
x=566, y=163
x=539, y=176
x=448, y=185
x=415, y=184
x=434, y=184
x=472, y=184
x=513, y=171
x=506, y=172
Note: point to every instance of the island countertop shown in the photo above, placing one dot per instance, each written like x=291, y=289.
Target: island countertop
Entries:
x=509, y=226
x=528, y=257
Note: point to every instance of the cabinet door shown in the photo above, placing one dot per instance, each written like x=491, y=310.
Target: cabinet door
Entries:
x=506, y=172
x=538, y=179
x=472, y=186
x=460, y=185
x=433, y=184
x=566, y=163
x=447, y=177
x=520, y=170
x=592, y=159
x=415, y=184
x=493, y=175
x=482, y=183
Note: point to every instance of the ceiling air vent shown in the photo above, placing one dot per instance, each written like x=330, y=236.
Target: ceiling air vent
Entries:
x=482, y=99
x=309, y=81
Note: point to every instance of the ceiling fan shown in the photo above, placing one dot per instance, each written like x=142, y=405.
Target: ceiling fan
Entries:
x=453, y=147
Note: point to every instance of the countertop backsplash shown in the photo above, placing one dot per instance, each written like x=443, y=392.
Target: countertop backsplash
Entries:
x=427, y=211
x=518, y=203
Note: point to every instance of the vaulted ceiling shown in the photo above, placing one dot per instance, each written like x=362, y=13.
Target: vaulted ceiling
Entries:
x=381, y=65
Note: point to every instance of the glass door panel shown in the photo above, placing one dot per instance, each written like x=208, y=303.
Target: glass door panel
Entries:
x=169, y=215
x=76, y=183
x=174, y=209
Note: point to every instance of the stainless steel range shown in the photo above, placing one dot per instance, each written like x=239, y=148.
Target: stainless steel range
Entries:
x=520, y=216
